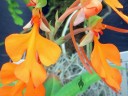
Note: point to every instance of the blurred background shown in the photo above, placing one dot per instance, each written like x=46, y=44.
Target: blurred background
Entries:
x=14, y=14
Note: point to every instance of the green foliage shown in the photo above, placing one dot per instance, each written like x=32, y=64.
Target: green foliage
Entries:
x=78, y=85
x=60, y=5
x=13, y=8
x=52, y=85
x=74, y=87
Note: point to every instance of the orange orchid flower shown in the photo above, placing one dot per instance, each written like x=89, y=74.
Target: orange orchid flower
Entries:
x=37, y=49
x=7, y=76
x=86, y=9
x=114, y=4
x=100, y=54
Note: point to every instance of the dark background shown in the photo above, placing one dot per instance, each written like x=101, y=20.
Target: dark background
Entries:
x=8, y=27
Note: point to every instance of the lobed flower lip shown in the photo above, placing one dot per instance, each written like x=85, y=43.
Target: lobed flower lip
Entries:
x=37, y=49
x=99, y=55
x=7, y=76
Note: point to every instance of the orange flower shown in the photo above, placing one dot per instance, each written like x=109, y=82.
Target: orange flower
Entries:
x=100, y=54
x=114, y=4
x=7, y=76
x=35, y=47
x=88, y=8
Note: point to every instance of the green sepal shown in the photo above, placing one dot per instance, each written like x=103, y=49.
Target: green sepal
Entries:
x=94, y=20
x=41, y=3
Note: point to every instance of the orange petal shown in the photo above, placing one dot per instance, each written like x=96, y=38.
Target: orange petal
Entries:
x=22, y=72
x=30, y=89
x=38, y=74
x=7, y=73
x=114, y=79
x=48, y=51
x=40, y=91
x=123, y=16
x=92, y=8
x=16, y=45
x=116, y=4
x=112, y=53
x=112, y=75
x=17, y=89
x=96, y=62
x=5, y=90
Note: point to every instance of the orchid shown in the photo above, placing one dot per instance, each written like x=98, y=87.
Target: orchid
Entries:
x=101, y=52
x=35, y=46
x=7, y=76
x=36, y=52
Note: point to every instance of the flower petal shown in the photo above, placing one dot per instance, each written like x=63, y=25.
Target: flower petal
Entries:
x=38, y=74
x=116, y=4
x=87, y=39
x=5, y=90
x=22, y=72
x=17, y=89
x=80, y=17
x=49, y=52
x=28, y=25
x=7, y=73
x=40, y=90
x=112, y=76
x=30, y=89
x=114, y=79
x=43, y=27
x=97, y=63
x=112, y=53
x=16, y=45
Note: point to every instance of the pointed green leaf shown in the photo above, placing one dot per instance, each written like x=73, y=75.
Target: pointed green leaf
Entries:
x=56, y=16
x=18, y=11
x=52, y=85
x=78, y=85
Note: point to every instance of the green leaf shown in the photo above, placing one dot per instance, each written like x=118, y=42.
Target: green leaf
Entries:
x=18, y=11
x=78, y=85
x=60, y=41
x=52, y=85
x=18, y=20
x=41, y=3
x=56, y=16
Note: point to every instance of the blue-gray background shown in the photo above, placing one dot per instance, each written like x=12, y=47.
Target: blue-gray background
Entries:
x=8, y=27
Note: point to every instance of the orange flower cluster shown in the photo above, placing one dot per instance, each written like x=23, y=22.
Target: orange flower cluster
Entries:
x=101, y=52
x=30, y=74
